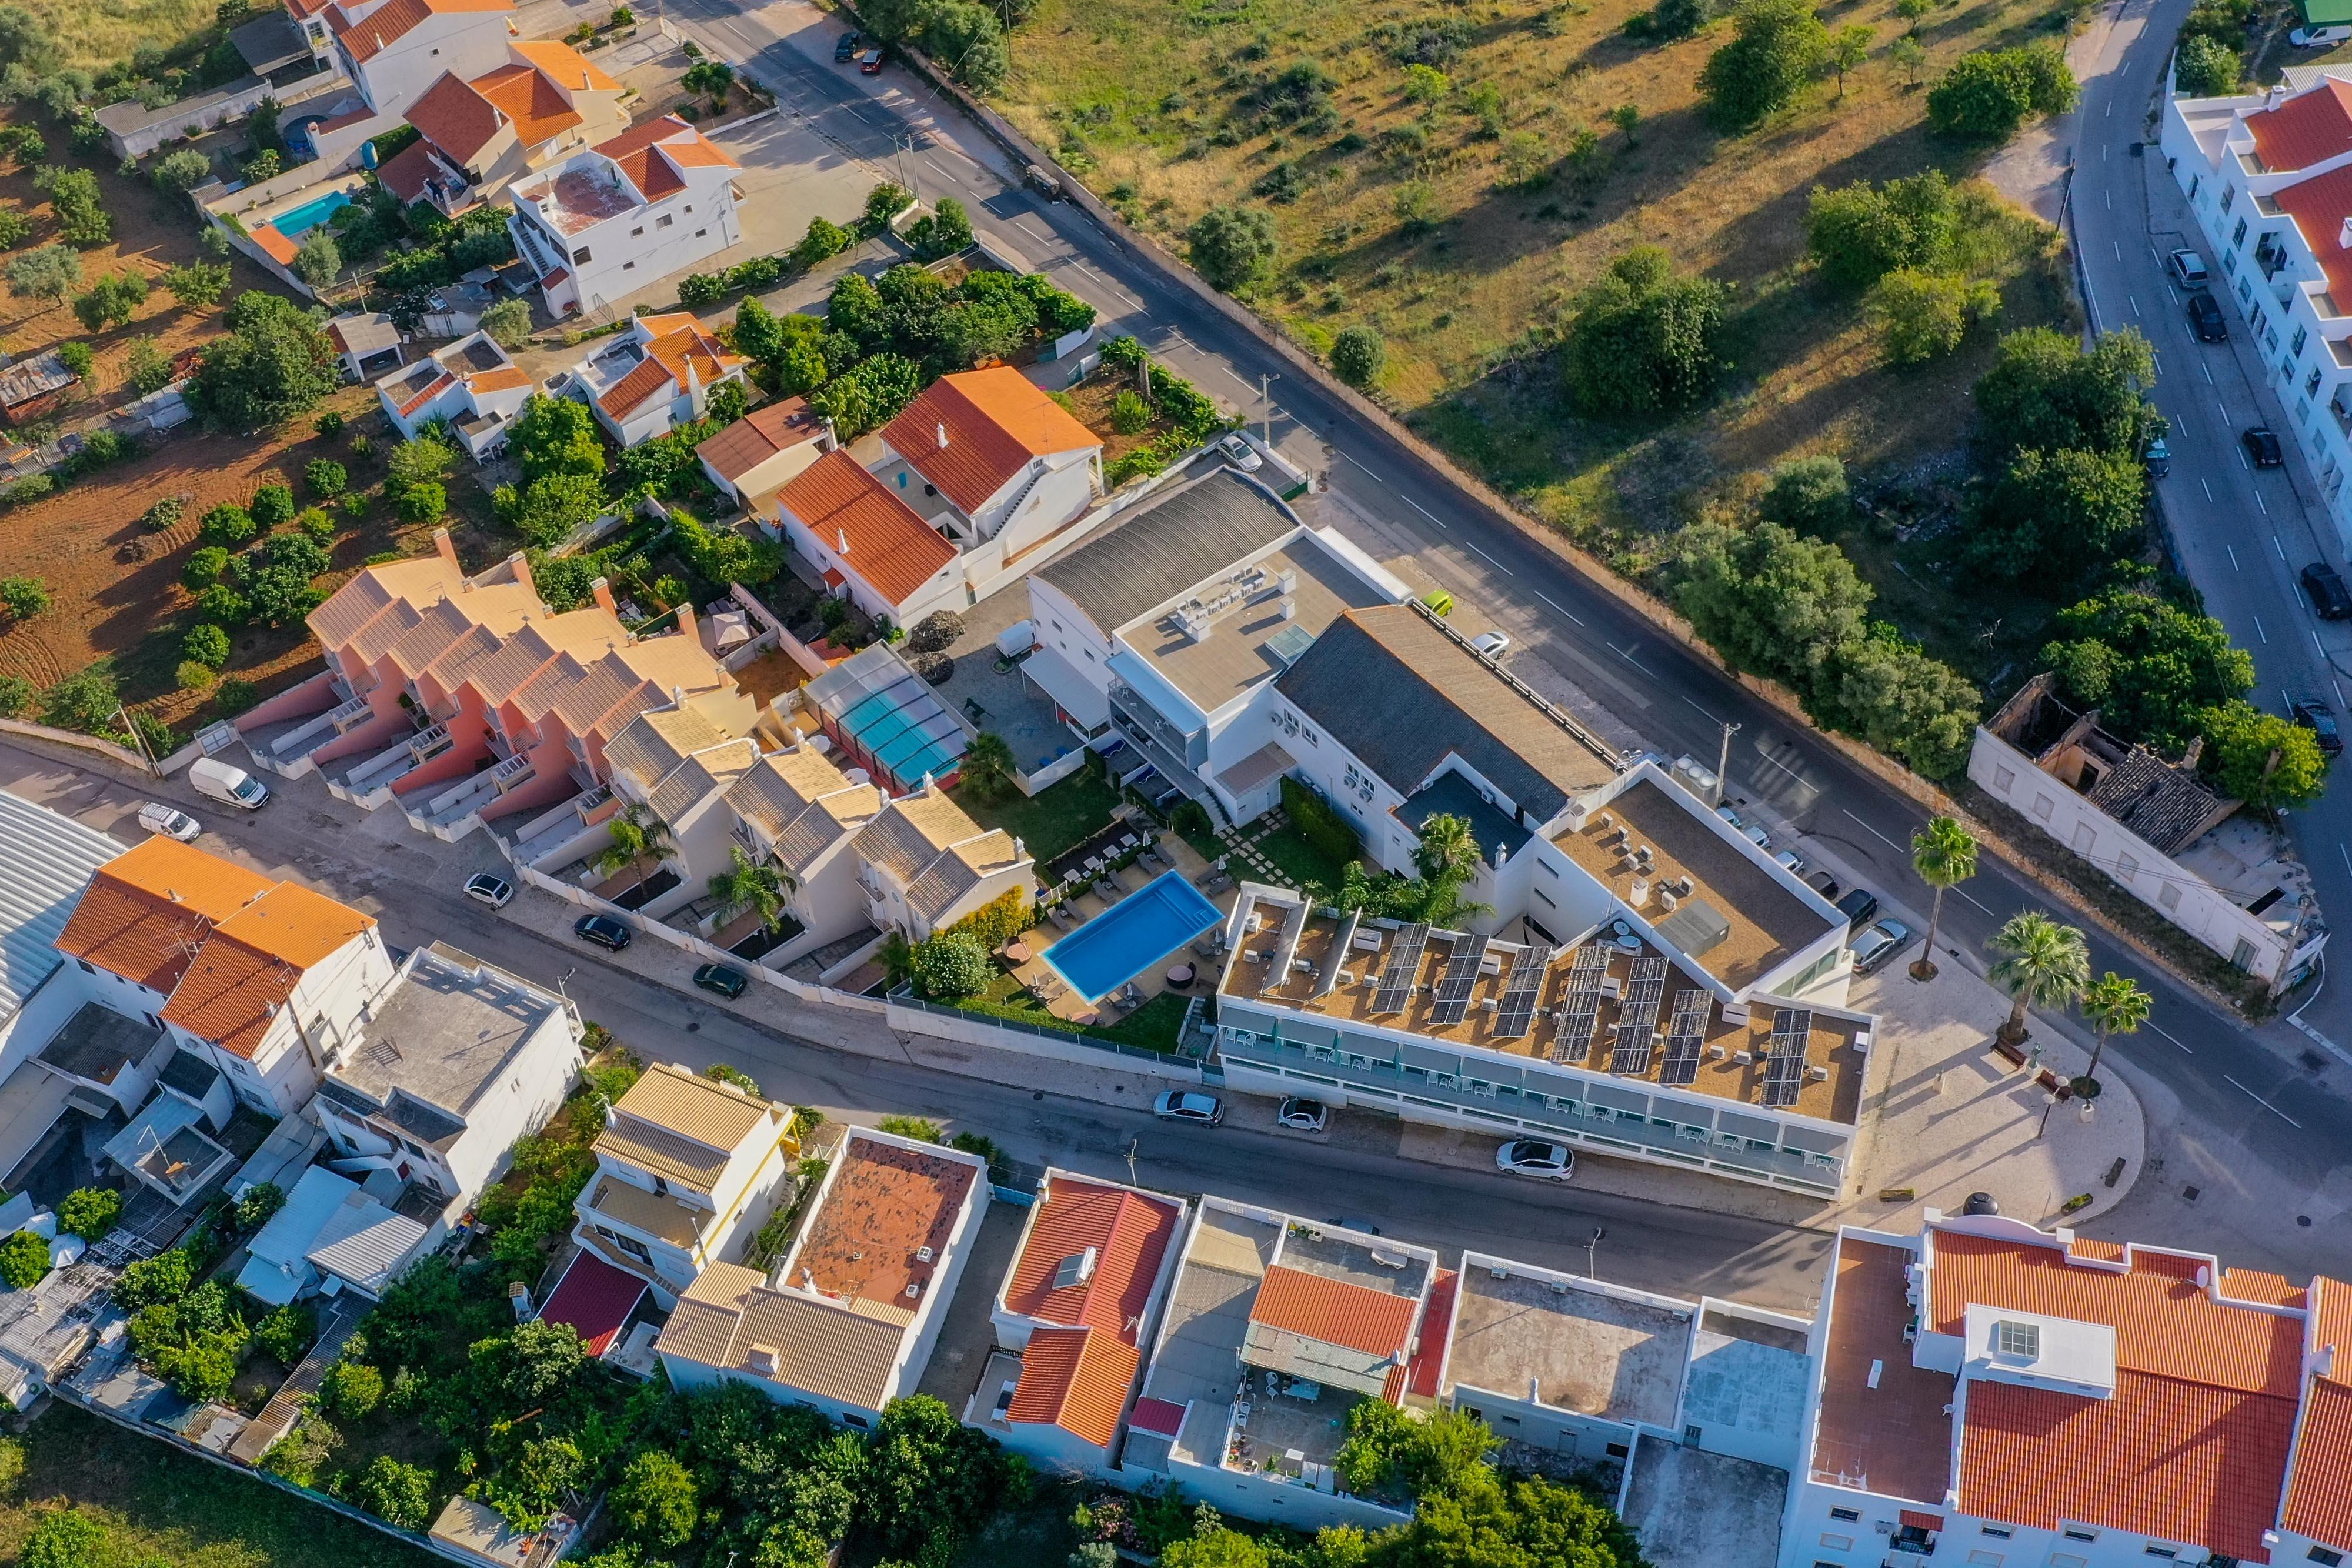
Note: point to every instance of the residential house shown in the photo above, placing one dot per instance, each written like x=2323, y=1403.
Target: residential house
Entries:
x=2141, y=820
x=869, y=546
x=479, y=134
x=655, y=374
x=1985, y=1389
x=1079, y=1304
x=391, y=51
x=924, y=864
x=688, y=1169
x=847, y=1322
x=365, y=342
x=471, y=383
x=1276, y=1329
x=456, y=1062
x=110, y=1061
x=332, y=1236
x=798, y=811
x=262, y=978
x=31, y=388
x=764, y=451
x=676, y=763
x=624, y=214
x=51, y=859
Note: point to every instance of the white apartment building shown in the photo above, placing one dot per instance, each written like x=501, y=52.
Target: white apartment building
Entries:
x=2269, y=177
x=655, y=374
x=472, y=382
x=624, y=214
x=2015, y=1397
x=391, y=51
x=688, y=1169
x=479, y=134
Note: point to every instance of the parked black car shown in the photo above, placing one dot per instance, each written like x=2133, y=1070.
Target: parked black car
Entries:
x=2206, y=317
x=845, y=48
x=1859, y=907
x=727, y=983
x=2328, y=595
x=2263, y=446
x=605, y=932
x=2319, y=719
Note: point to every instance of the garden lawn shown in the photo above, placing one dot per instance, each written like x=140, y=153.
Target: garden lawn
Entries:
x=1153, y=1026
x=163, y=1506
x=1296, y=858
x=1054, y=820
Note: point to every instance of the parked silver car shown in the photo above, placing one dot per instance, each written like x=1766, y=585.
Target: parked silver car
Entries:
x=1875, y=948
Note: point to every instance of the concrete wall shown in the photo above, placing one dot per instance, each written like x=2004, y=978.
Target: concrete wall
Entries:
x=55, y=999
x=1252, y=1495
x=136, y=134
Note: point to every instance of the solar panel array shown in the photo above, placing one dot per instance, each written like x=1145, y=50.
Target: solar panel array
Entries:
x=1404, y=964
x=1517, y=1008
x=1579, y=1008
x=1637, y=1015
x=1460, y=974
x=1784, y=1062
x=1684, y=1035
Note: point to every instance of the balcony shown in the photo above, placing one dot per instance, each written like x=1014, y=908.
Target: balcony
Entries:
x=427, y=745
x=342, y=717
x=512, y=772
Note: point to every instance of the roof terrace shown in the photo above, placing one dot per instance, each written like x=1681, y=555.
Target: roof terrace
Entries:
x=1577, y=1345
x=1252, y=624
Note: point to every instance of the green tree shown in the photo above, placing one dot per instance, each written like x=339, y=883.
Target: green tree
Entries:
x=949, y=965
x=1859, y=232
x=85, y=701
x=1390, y=1450
x=550, y=506
x=113, y=298
x=988, y=765
x=421, y=461
x=320, y=260
x=274, y=365
x=2261, y=759
x=1907, y=52
x=1809, y=494
x=638, y=835
x=75, y=202
x=1987, y=94
x=926, y=1472
x=2040, y=964
x=90, y=1212
x=946, y=229
x=67, y=1539
x=226, y=526
x=205, y=644
x=198, y=286
x=277, y=579
x=751, y=887
x=1777, y=46
x=44, y=272
x=1357, y=353
x=655, y=1500
x=147, y=367
x=184, y=169
x=285, y=1332
x=1520, y=1523
x=272, y=505
x=1644, y=342
x=2113, y=1006
x=870, y=395
x=24, y=597
x=1771, y=603
x=1922, y=316
x=14, y=228
x=254, y=1210
x=399, y=1494
x=425, y=502
x=2151, y=668
x=1888, y=691
x=1848, y=47
x=558, y=436
x=1232, y=247
x=24, y=1260
x=1911, y=11
x=351, y=1389
x=967, y=40
x=2053, y=515
x=1944, y=854
x=2206, y=67
x=2045, y=390
x=325, y=477
x=508, y=322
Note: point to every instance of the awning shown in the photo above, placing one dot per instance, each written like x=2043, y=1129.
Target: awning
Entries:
x=595, y=1299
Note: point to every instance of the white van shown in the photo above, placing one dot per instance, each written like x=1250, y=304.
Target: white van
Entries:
x=168, y=820
x=229, y=785
x=2318, y=37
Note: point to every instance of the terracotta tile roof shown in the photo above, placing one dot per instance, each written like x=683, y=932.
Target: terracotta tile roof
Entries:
x=995, y=422
x=2185, y=1462
x=2165, y=1324
x=1076, y=1379
x=709, y=1112
x=405, y=174
x=627, y=395
x=247, y=968
x=145, y=908
x=395, y=19
x=438, y=624
x=891, y=548
x=2318, y=206
x=505, y=378
x=666, y=1154
x=1129, y=1233
x=760, y=436
x=654, y=176
x=698, y=152
x=431, y=389
x=566, y=64
x=679, y=341
x=2261, y=1285
x=704, y=1322
x=1334, y=1312
x=455, y=116
x=644, y=133
x=1895, y=1439
x=819, y=1348
x=2318, y=1496
x=274, y=244
x=1428, y=1363
x=2306, y=129
x=595, y=1299
x=537, y=108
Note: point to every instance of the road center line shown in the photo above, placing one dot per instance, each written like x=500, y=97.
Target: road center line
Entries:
x=2265, y=1104
x=1620, y=652
x=1496, y=565
x=2233, y=558
x=1704, y=713
x=2208, y=484
x=1368, y=473
x=1555, y=605
x=2260, y=633
x=2279, y=547
x=2154, y=1030
x=1973, y=901
x=1435, y=519
x=2262, y=504
x=1882, y=838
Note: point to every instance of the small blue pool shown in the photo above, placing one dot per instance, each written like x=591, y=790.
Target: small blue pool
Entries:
x=296, y=222
x=1133, y=935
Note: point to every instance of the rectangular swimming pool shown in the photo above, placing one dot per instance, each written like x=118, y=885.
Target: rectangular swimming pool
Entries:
x=296, y=222
x=1131, y=936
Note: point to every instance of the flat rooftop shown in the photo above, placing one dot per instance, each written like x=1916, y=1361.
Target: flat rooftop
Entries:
x=1579, y=1347
x=1895, y=1439
x=1250, y=637
x=444, y=1034
x=1691, y=1509
x=1762, y=923
x=884, y=1207
x=1830, y=1089
x=97, y=1044
x=581, y=199
x=1747, y=1375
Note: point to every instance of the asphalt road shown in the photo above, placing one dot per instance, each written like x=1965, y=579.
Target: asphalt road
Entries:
x=2257, y=1114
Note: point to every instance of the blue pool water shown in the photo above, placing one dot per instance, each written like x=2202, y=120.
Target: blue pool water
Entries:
x=1133, y=935
x=301, y=220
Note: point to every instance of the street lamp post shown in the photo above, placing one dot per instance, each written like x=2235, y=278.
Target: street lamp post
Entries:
x=1723, y=760
x=1265, y=404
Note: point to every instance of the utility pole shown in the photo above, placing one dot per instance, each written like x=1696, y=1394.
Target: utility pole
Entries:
x=1592, y=1252
x=1266, y=402
x=1132, y=1179
x=156, y=768
x=1723, y=761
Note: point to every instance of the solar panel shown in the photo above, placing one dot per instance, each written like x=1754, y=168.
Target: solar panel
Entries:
x=1404, y=964
x=1579, y=1008
x=1684, y=1035
x=1519, y=992
x=1460, y=974
x=1784, y=1065
x=1637, y=1015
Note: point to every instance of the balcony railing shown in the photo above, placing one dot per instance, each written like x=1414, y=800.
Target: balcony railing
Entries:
x=513, y=772
x=345, y=715
x=427, y=744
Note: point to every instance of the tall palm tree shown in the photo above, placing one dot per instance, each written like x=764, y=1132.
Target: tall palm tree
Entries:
x=2042, y=964
x=636, y=834
x=1943, y=853
x=2115, y=1005
x=988, y=765
x=752, y=885
x=1447, y=852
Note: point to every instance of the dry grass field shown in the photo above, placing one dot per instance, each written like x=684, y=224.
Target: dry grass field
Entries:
x=94, y=32
x=1463, y=219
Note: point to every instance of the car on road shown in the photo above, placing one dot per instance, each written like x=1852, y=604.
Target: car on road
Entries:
x=2157, y=459
x=870, y=63
x=1181, y=1105
x=1536, y=1157
x=1043, y=184
x=2318, y=37
x=2329, y=597
x=2262, y=445
x=1239, y=453
x=2318, y=717
x=724, y=982
x=168, y=820
x=1875, y=948
x=485, y=888
x=844, y=47
x=1302, y=1115
x=2206, y=317
x=605, y=932
x=2187, y=265
x=1491, y=645
x=1859, y=907
x=1751, y=831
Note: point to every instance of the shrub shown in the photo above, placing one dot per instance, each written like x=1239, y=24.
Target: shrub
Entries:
x=508, y=322
x=193, y=676
x=316, y=525
x=328, y=424
x=547, y=509
x=184, y=169
x=999, y=921
x=285, y=1333
x=113, y=300
x=86, y=699
x=75, y=201
x=935, y=632
x=1808, y=494
x=422, y=503
x=325, y=477
x=1923, y=315
x=654, y=1501
x=33, y=487
x=1130, y=414
x=222, y=605
x=1859, y=234
x=884, y=202
x=1987, y=94
x=2206, y=67
x=949, y=966
x=260, y=1202
x=1232, y=247
x=1316, y=823
x=24, y=1260
x=152, y=1282
x=1644, y=342
x=822, y=241
x=147, y=367
x=14, y=228
x=90, y=1212
x=24, y=597
x=352, y=1390
x=68, y=1539
x=234, y=695
x=699, y=289
x=1357, y=353
x=759, y=271
x=77, y=358
x=943, y=231
x=272, y=507
x=197, y=286
x=1778, y=46
x=227, y=525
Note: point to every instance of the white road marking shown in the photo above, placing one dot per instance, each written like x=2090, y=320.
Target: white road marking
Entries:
x=1782, y=767
x=2262, y=504
x=2233, y=559
x=2340, y=702
x=1427, y=513
x=2154, y=1030
x=1368, y=473
x=2209, y=487
x=1973, y=901
x=1503, y=569
x=2260, y=633
x=2111, y=195
x=2225, y=419
x=1236, y=376
x=1555, y=605
x=2265, y=1104
x=1107, y=283
x=1704, y=713
x=2208, y=377
x=1620, y=652
x=2347, y=857
x=2135, y=300
x=1880, y=837
x=2119, y=249
x=2317, y=644
x=1022, y=226
x=2277, y=546
x=2111, y=106
x=935, y=164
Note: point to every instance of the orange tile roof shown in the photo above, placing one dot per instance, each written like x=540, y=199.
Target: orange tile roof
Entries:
x=414, y=165
x=1895, y=1439
x=995, y=422
x=2165, y=1324
x=293, y=924
x=2318, y=1496
x=654, y=176
x=242, y=976
x=1129, y=1233
x=2261, y=1285
x=2318, y=206
x=644, y=133
x=566, y=64
x=2185, y=1462
x=2306, y=129
x=274, y=244
x=629, y=394
x=760, y=436
x=698, y=152
x=433, y=389
x=145, y=909
x=455, y=116
x=395, y=19
x=1334, y=1312
x=679, y=343
x=892, y=548
x=536, y=107
x=506, y=378
x=1076, y=1379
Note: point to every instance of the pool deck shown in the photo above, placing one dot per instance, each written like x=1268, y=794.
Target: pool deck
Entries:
x=1062, y=1002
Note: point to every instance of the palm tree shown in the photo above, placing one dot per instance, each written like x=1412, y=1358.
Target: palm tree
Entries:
x=2115, y=1005
x=2042, y=964
x=988, y=765
x=636, y=833
x=1447, y=851
x=752, y=885
x=1943, y=853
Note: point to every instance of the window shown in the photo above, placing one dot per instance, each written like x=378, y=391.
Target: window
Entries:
x=2042, y=806
x=2003, y=780
x=2162, y=1551
x=2128, y=867
x=1984, y=1559
x=851, y=1418
x=2238, y=235
x=1849, y=1515
x=2229, y=194
x=2302, y=336
x=87, y=967
x=2082, y=1534
x=700, y=232
x=2010, y=1338
x=628, y=266
x=2171, y=896
x=637, y=231
x=663, y=222
x=1999, y=1531
x=1619, y=1451
x=2242, y=955
x=1838, y=1542
x=2194, y=181
x=580, y=256
x=2326, y=1559
x=2311, y=382
x=1546, y=898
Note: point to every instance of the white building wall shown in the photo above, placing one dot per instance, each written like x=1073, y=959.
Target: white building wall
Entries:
x=468, y=43
x=1252, y=1495
x=520, y=1102
x=1066, y=486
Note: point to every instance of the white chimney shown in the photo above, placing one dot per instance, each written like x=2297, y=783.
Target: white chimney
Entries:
x=2343, y=235
x=1639, y=893
x=943, y=434
x=841, y=541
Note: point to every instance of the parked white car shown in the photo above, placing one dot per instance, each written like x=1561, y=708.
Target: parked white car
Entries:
x=230, y=786
x=1206, y=1109
x=168, y=820
x=1491, y=645
x=1535, y=1157
x=2318, y=37
x=1239, y=453
x=494, y=891
x=1301, y=1115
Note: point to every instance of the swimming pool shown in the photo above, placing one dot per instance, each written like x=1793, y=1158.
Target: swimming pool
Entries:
x=296, y=222
x=1131, y=936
